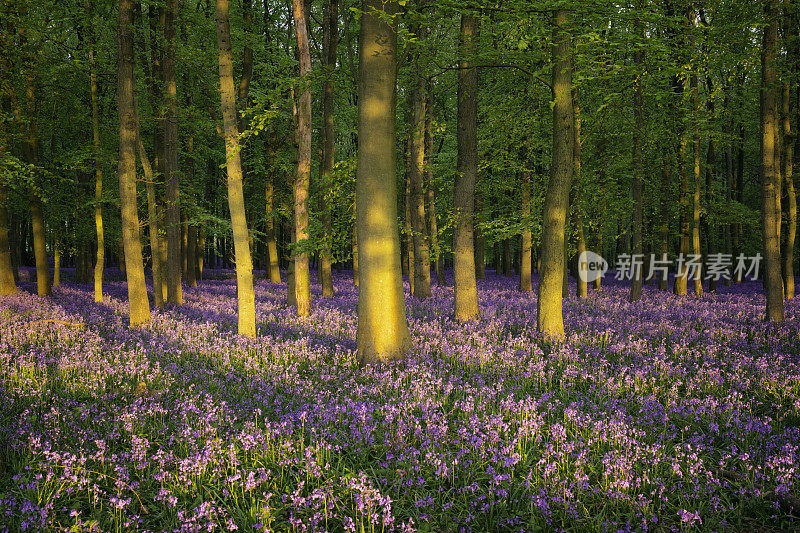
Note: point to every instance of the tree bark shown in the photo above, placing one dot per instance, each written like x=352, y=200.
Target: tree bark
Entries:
x=7, y=283
x=581, y=289
x=433, y=225
x=421, y=264
x=638, y=112
x=698, y=279
x=171, y=178
x=244, y=266
x=788, y=109
x=330, y=40
x=550, y=320
x=126, y=170
x=525, y=213
x=465, y=289
x=153, y=225
x=302, y=278
x=769, y=123
x=382, y=327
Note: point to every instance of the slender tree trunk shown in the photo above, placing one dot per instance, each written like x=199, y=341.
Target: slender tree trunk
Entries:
x=382, y=327
x=788, y=177
x=7, y=283
x=407, y=227
x=581, y=290
x=57, y=258
x=549, y=313
x=134, y=265
x=184, y=244
x=465, y=289
x=98, y=166
x=710, y=161
x=171, y=178
x=769, y=176
x=698, y=279
x=201, y=251
x=525, y=212
x=422, y=266
x=191, y=256
x=603, y=207
x=302, y=278
x=153, y=226
x=272, y=243
x=638, y=111
x=330, y=40
x=244, y=266
x=433, y=227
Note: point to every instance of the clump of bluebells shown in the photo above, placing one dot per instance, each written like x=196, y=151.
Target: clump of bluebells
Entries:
x=663, y=415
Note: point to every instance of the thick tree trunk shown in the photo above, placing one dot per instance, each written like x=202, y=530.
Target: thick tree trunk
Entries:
x=769, y=176
x=126, y=170
x=382, y=327
x=698, y=278
x=302, y=278
x=244, y=266
x=550, y=320
x=330, y=40
x=465, y=289
x=171, y=178
x=525, y=214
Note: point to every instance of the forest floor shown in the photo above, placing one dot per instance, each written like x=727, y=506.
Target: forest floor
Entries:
x=663, y=415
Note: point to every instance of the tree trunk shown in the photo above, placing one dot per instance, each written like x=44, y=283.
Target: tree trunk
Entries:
x=7, y=283
x=698, y=278
x=153, y=226
x=244, y=266
x=201, y=251
x=302, y=278
x=769, y=123
x=382, y=327
x=638, y=111
x=710, y=160
x=330, y=41
x=422, y=265
x=272, y=244
x=433, y=225
x=581, y=289
x=525, y=212
x=408, y=230
x=126, y=170
x=98, y=167
x=191, y=256
x=788, y=109
x=550, y=320
x=465, y=289
x=171, y=178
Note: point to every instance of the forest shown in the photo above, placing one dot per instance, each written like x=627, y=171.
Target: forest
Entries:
x=399, y=265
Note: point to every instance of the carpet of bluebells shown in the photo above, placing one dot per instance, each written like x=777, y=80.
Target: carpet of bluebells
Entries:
x=664, y=415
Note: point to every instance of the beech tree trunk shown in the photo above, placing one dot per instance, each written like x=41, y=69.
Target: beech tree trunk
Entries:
x=244, y=266
x=302, y=278
x=698, y=278
x=525, y=213
x=153, y=225
x=638, y=111
x=550, y=320
x=171, y=178
x=581, y=289
x=788, y=108
x=769, y=177
x=98, y=167
x=7, y=283
x=433, y=225
x=330, y=40
x=126, y=169
x=465, y=289
x=421, y=263
x=382, y=327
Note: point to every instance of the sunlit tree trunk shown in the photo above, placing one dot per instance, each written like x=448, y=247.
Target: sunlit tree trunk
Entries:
x=191, y=256
x=525, y=214
x=201, y=251
x=550, y=320
x=769, y=177
x=7, y=284
x=153, y=225
x=698, y=279
x=382, y=327
x=98, y=167
x=330, y=40
x=465, y=289
x=244, y=266
x=126, y=169
x=408, y=229
x=171, y=177
x=302, y=278
x=788, y=177
x=710, y=161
